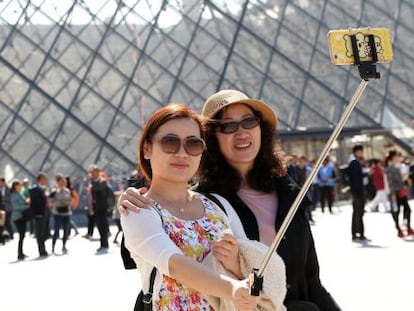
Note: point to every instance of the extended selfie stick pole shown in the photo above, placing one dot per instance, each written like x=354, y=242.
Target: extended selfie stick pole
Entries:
x=367, y=71
x=258, y=273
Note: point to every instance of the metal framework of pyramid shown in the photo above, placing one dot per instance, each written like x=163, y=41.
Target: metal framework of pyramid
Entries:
x=79, y=78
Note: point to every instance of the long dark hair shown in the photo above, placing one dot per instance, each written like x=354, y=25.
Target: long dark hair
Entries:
x=217, y=175
x=390, y=156
x=68, y=183
x=14, y=185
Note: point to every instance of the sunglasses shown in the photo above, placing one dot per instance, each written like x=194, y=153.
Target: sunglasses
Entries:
x=171, y=144
x=230, y=127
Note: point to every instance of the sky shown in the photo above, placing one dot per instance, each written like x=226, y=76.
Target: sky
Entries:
x=51, y=11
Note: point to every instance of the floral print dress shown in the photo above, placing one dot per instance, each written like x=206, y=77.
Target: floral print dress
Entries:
x=193, y=238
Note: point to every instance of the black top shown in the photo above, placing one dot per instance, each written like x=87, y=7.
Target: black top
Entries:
x=356, y=177
x=100, y=194
x=297, y=247
x=38, y=201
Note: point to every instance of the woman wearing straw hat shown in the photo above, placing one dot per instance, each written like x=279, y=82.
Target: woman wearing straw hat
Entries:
x=244, y=165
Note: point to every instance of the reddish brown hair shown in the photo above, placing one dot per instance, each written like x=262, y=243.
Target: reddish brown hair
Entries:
x=159, y=118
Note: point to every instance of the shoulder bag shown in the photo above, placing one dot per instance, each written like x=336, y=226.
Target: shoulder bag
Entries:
x=144, y=301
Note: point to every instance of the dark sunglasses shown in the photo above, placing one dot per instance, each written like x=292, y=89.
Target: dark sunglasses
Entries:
x=171, y=144
x=230, y=127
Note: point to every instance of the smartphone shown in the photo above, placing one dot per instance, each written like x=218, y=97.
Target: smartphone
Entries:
x=341, y=50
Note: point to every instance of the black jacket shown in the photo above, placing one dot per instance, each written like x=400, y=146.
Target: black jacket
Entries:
x=356, y=177
x=38, y=201
x=100, y=194
x=297, y=248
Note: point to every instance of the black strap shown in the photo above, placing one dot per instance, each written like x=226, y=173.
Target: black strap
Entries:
x=129, y=263
x=147, y=299
x=127, y=260
x=215, y=200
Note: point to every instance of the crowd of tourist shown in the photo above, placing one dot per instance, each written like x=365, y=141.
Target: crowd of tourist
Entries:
x=374, y=185
x=45, y=210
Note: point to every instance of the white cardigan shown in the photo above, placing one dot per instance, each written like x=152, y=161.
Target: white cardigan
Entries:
x=274, y=280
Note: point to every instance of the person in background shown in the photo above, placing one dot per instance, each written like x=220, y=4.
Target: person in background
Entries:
x=136, y=179
x=405, y=172
x=314, y=191
x=61, y=203
x=89, y=212
x=378, y=178
x=292, y=168
x=304, y=169
x=356, y=176
x=6, y=206
x=411, y=178
x=326, y=178
x=405, y=168
x=2, y=222
x=398, y=192
x=19, y=204
x=39, y=207
x=99, y=195
x=74, y=205
x=25, y=187
x=26, y=195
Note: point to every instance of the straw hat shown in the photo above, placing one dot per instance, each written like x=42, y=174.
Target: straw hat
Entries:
x=224, y=98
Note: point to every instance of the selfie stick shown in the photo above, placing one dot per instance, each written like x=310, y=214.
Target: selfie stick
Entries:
x=367, y=70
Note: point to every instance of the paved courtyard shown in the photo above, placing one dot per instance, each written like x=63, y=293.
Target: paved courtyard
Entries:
x=373, y=276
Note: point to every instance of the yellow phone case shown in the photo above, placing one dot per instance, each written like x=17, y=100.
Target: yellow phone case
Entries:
x=340, y=45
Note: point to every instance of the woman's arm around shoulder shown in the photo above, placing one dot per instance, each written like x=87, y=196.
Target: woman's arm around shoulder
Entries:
x=146, y=239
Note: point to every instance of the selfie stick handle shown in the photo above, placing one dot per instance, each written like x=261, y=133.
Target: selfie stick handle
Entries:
x=256, y=282
x=258, y=275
